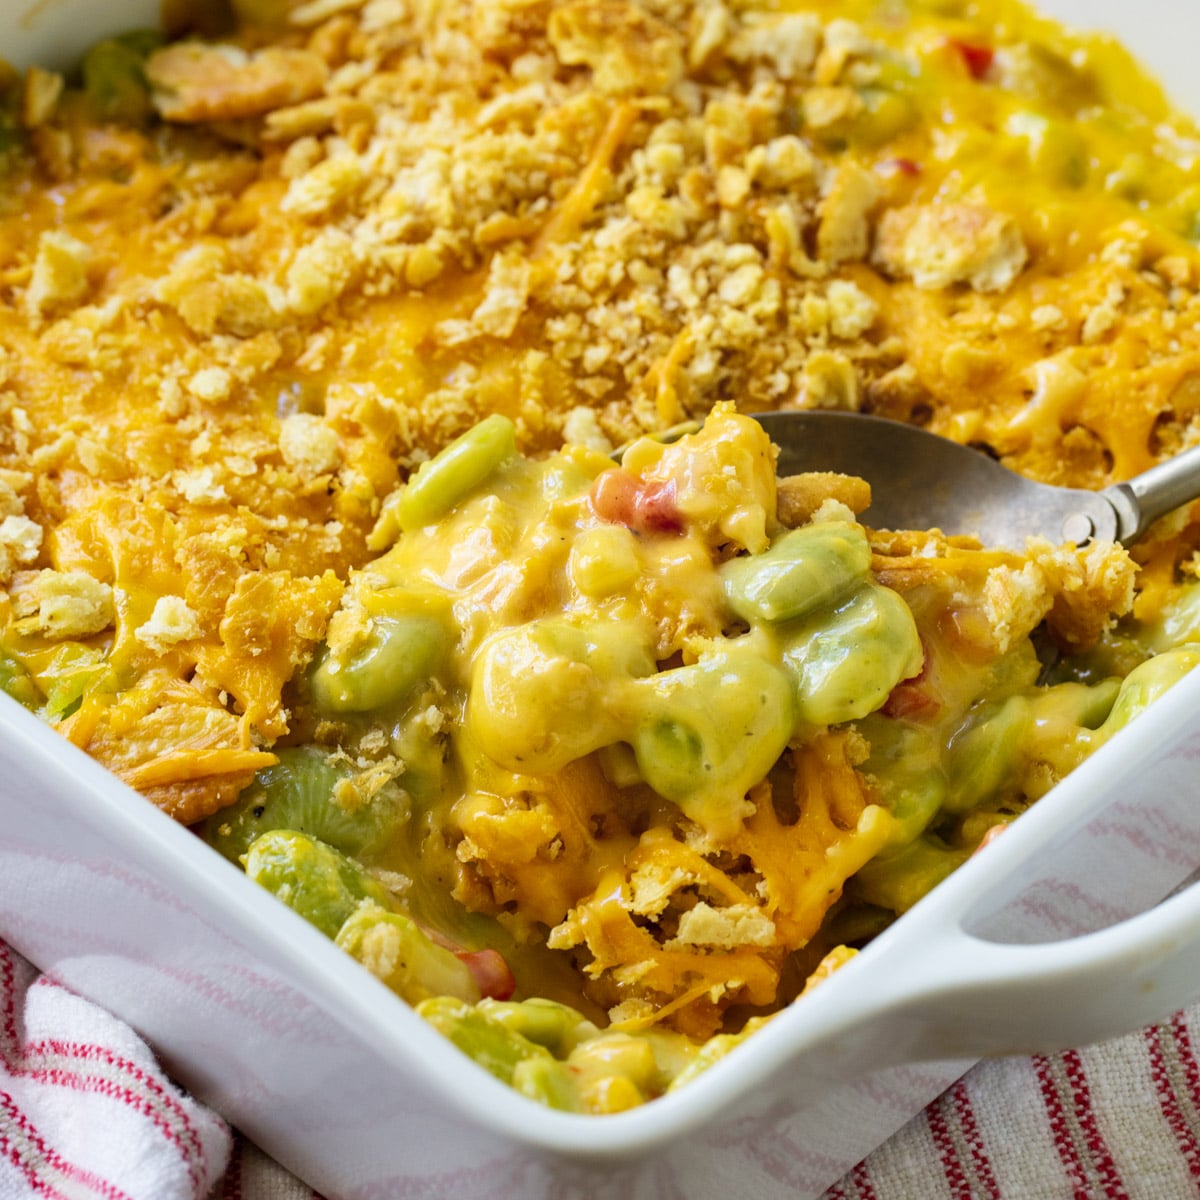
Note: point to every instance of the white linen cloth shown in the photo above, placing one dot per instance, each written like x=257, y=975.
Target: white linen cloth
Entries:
x=87, y=1114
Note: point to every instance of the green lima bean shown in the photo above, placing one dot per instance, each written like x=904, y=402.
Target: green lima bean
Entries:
x=399, y=655
x=18, y=683
x=1144, y=685
x=548, y=1023
x=704, y=734
x=897, y=880
x=453, y=474
x=908, y=773
x=492, y=1045
x=313, y=879
x=845, y=664
x=298, y=793
x=395, y=950
x=114, y=79
x=983, y=754
x=545, y=693
x=807, y=569
x=548, y=1082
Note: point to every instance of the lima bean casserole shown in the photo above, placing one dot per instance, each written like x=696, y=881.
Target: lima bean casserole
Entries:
x=320, y=323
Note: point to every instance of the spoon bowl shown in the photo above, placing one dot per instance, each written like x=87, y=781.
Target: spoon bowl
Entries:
x=922, y=481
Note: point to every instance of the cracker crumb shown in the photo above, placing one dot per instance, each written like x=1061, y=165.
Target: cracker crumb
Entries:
x=851, y=311
x=195, y=82
x=1014, y=601
x=211, y=384
x=200, y=486
x=788, y=42
x=830, y=381
x=627, y=49
x=324, y=186
x=843, y=234
x=1102, y=318
x=582, y=428
x=938, y=245
x=171, y=622
x=800, y=497
x=20, y=541
x=60, y=274
x=320, y=272
x=1048, y=318
x=724, y=928
x=509, y=281
x=64, y=605
x=308, y=445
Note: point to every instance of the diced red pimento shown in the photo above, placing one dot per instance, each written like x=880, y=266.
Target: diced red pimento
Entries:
x=977, y=58
x=913, y=699
x=656, y=510
x=491, y=973
x=910, y=701
x=622, y=499
x=489, y=970
x=897, y=166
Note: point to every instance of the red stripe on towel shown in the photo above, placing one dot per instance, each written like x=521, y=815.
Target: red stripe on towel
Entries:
x=974, y=1141
x=1187, y=1056
x=861, y=1178
x=131, y=1099
x=16, y=1129
x=143, y=1093
x=91, y=1052
x=1102, y=1158
x=1060, y=1131
x=231, y=1182
x=9, y=1049
x=952, y=1169
x=858, y=1179
x=1168, y=1099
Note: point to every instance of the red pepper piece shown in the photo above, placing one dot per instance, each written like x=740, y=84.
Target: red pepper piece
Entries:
x=908, y=701
x=622, y=499
x=491, y=972
x=898, y=166
x=977, y=58
x=913, y=698
x=656, y=510
x=612, y=497
x=488, y=968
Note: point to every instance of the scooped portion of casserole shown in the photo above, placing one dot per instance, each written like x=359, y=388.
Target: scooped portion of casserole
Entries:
x=318, y=324
x=687, y=728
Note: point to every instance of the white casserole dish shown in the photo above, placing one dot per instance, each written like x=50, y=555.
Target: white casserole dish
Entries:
x=316, y=1061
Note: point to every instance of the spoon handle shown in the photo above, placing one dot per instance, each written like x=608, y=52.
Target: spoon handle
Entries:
x=1140, y=501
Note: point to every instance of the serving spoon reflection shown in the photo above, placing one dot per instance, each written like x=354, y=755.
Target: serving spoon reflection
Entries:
x=922, y=481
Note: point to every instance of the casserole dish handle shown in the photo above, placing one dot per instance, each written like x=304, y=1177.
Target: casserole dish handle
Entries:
x=973, y=997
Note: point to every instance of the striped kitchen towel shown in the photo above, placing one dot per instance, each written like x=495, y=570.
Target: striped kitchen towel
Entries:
x=85, y=1111
x=1118, y=1121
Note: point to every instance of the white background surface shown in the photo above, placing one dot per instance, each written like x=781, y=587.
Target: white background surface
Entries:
x=1165, y=34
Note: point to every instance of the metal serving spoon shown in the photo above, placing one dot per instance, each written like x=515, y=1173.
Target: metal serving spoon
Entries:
x=922, y=481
